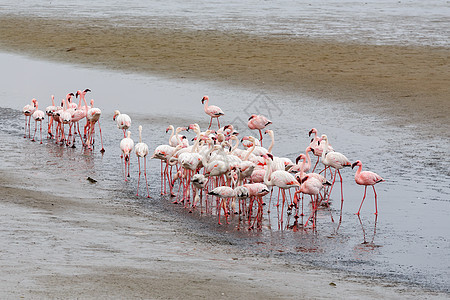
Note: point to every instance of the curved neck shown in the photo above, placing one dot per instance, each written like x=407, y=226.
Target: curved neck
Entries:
x=196, y=143
x=358, y=171
x=308, y=165
x=325, y=148
x=273, y=141
x=267, y=180
x=205, y=104
x=53, y=100
x=172, y=134
x=237, y=143
x=250, y=151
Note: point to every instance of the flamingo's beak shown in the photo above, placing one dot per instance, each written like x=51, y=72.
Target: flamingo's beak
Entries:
x=310, y=132
x=354, y=164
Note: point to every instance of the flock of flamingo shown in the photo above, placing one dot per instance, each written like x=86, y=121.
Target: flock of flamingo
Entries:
x=215, y=165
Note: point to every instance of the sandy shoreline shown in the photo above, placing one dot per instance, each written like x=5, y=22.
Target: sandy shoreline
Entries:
x=77, y=247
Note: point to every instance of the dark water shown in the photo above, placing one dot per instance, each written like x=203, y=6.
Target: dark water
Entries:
x=409, y=241
x=410, y=22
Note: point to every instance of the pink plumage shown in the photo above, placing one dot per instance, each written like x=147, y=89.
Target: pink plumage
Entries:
x=366, y=178
x=212, y=111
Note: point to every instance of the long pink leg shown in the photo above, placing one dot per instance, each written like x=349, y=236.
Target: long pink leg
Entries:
x=41, y=130
x=315, y=165
x=218, y=124
x=376, y=205
x=364, y=197
x=270, y=200
x=35, y=129
x=29, y=127
x=25, y=135
x=139, y=177
x=260, y=137
x=145, y=174
x=101, y=137
x=162, y=178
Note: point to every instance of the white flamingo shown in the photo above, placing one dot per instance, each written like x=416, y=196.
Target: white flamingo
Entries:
x=126, y=145
x=141, y=150
x=123, y=121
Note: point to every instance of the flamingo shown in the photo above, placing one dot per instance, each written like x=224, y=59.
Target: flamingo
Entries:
x=317, y=146
x=366, y=178
x=38, y=116
x=223, y=192
x=93, y=116
x=50, y=110
x=65, y=116
x=123, y=121
x=280, y=178
x=337, y=161
x=312, y=186
x=258, y=122
x=141, y=150
x=28, y=110
x=85, y=107
x=256, y=190
x=126, y=145
x=175, y=138
x=199, y=182
x=212, y=111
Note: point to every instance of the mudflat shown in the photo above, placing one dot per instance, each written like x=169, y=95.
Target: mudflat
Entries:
x=343, y=71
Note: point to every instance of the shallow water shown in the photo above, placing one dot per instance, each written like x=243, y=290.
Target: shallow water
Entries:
x=410, y=22
x=409, y=241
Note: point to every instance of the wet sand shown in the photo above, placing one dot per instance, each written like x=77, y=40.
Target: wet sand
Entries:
x=68, y=247
x=410, y=80
x=60, y=246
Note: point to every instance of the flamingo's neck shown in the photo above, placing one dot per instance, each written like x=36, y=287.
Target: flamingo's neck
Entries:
x=172, y=134
x=358, y=171
x=308, y=165
x=205, y=105
x=267, y=180
x=325, y=149
x=250, y=151
x=272, y=143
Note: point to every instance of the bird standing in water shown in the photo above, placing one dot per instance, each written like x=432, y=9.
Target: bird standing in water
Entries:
x=212, y=111
x=366, y=178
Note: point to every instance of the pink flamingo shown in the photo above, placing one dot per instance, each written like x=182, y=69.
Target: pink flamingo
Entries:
x=93, y=117
x=280, y=178
x=212, y=111
x=317, y=146
x=223, y=192
x=258, y=122
x=337, y=161
x=366, y=178
x=38, y=116
x=50, y=111
x=85, y=107
x=199, y=182
x=126, y=145
x=141, y=150
x=65, y=117
x=311, y=185
x=28, y=110
x=123, y=121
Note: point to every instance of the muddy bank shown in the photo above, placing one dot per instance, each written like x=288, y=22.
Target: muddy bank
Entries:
x=69, y=247
x=398, y=75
